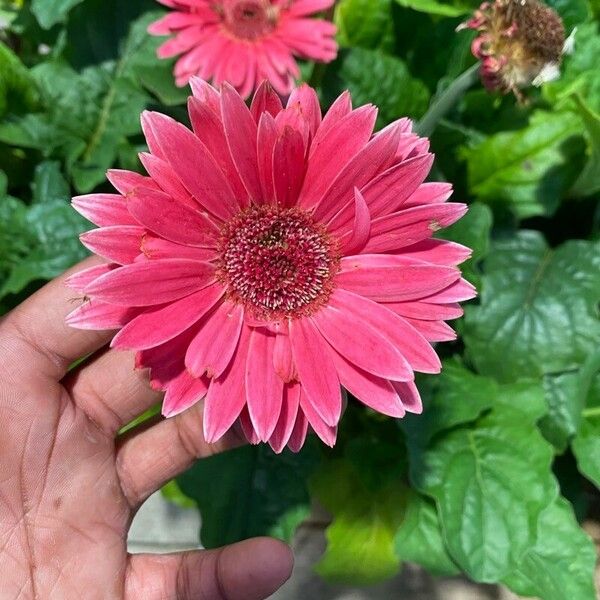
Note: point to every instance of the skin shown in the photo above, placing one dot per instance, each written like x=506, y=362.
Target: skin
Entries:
x=69, y=486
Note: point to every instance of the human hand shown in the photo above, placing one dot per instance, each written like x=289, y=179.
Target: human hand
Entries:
x=69, y=487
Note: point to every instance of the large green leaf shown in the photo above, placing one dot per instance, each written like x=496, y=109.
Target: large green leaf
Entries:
x=527, y=171
x=40, y=241
x=250, y=492
x=420, y=537
x=538, y=312
x=588, y=181
x=50, y=12
x=18, y=91
x=491, y=480
x=372, y=76
x=365, y=23
x=561, y=564
x=360, y=541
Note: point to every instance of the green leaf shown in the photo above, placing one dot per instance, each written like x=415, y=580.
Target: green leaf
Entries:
x=491, y=480
x=18, y=92
x=420, y=538
x=433, y=7
x=380, y=79
x=360, y=541
x=444, y=405
x=538, y=308
x=528, y=170
x=42, y=241
x=572, y=12
x=473, y=231
x=365, y=23
x=49, y=183
x=588, y=182
x=586, y=445
x=250, y=492
x=50, y=12
x=172, y=492
x=564, y=409
x=561, y=564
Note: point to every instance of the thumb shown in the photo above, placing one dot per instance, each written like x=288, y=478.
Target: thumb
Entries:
x=249, y=570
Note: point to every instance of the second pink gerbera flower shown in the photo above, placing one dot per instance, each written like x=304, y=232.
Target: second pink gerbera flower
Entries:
x=244, y=42
x=273, y=256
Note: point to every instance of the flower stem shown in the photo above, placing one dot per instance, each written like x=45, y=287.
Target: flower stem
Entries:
x=443, y=103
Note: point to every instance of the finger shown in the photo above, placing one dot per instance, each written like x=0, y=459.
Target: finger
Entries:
x=250, y=570
x=153, y=457
x=110, y=390
x=35, y=338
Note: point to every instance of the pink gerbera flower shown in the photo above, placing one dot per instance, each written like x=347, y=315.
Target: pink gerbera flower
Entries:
x=244, y=42
x=272, y=256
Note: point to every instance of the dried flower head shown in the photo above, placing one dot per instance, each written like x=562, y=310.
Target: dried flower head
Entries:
x=520, y=43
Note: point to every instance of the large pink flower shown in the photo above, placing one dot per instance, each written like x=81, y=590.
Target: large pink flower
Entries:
x=272, y=256
x=243, y=42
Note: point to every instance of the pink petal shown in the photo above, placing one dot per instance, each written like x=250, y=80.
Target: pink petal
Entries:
x=414, y=347
x=429, y=193
x=376, y=156
x=440, y=252
x=330, y=155
x=316, y=370
x=352, y=336
x=160, y=325
x=301, y=8
x=287, y=419
x=327, y=433
x=120, y=244
x=214, y=345
x=97, y=315
x=194, y=165
x=361, y=230
x=288, y=166
x=372, y=391
x=125, y=181
x=307, y=100
x=182, y=393
x=338, y=110
x=425, y=311
x=155, y=248
x=206, y=93
x=433, y=331
x=283, y=361
x=409, y=395
x=387, y=192
x=171, y=219
x=226, y=396
x=407, y=227
x=153, y=282
x=241, y=133
x=391, y=279
x=165, y=177
x=267, y=137
x=248, y=428
x=80, y=280
x=208, y=126
x=264, y=388
x=265, y=100
x=459, y=291
x=103, y=210
x=299, y=432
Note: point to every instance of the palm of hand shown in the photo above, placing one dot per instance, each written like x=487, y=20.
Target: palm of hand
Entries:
x=69, y=487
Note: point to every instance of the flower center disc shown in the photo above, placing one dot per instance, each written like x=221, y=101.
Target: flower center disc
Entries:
x=277, y=262
x=249, y=19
